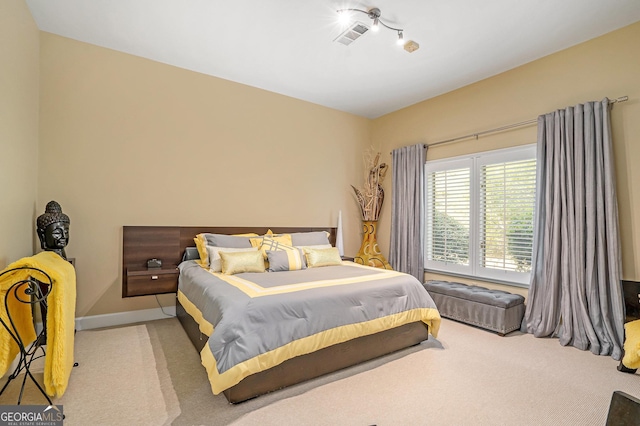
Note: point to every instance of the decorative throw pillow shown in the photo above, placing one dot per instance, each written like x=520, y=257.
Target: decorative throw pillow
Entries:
x=322, y=257
x=238, y=262
x=215, y=263
x=287, y=258
x=272, y=243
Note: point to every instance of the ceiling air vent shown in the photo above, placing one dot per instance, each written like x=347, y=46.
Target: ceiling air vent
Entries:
x=351, y=34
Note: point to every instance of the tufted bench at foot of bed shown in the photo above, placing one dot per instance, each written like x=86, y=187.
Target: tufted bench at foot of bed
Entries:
x=494, y=310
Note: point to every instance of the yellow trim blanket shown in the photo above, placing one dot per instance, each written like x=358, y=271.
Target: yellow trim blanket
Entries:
x=61, y=303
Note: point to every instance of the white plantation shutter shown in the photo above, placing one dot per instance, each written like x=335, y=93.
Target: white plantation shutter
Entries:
x=448, y=203
x=480, y=214
x=505, y=217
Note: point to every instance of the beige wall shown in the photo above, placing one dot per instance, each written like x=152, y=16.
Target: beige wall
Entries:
x=129, y=141
x=608, y=66
x=19, y=39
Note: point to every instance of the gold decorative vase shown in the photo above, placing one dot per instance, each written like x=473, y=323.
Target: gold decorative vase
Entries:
x=369, y=253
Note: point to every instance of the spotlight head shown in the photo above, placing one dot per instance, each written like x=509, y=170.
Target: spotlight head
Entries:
x=374, y=13
x=376, y=25
x=400, y=40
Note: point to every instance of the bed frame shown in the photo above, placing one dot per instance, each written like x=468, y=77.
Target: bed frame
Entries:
x=298, y=369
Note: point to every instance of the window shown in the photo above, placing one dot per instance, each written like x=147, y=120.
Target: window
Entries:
x=479, y=214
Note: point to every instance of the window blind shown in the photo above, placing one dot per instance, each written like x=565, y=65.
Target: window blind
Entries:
x=449, y=205
x=507, y=198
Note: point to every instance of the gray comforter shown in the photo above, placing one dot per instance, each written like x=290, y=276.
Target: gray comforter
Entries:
x=253, y=318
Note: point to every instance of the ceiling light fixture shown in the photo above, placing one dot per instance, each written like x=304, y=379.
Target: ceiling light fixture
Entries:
x=376, y=25
x=374, y=14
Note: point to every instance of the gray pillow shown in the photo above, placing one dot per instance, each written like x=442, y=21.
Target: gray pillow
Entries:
x=231, y=241
x=279, y=260
x=314, y=238
x=190, y=253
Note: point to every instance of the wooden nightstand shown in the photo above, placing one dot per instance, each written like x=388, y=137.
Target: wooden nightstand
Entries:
x=139, y=244
x=145, y=281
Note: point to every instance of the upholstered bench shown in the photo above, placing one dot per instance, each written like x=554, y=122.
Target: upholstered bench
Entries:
x=494, y=310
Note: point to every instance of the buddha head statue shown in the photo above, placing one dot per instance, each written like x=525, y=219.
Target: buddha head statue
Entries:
x=53, y=229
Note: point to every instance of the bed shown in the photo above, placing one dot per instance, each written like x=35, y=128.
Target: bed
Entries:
x=261, y=331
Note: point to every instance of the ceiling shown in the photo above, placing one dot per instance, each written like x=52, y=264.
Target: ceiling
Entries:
x=287, y=46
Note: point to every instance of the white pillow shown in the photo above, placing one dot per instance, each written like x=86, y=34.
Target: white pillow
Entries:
x=215, y=263
x=314, y=247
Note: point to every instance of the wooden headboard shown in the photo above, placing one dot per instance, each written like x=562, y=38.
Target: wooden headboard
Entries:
x=168, y=243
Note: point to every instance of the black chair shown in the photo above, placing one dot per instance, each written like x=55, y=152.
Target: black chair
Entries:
x=624, y=410
x=36, y=293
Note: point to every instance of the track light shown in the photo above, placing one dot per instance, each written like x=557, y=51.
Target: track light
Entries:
x=374, y=14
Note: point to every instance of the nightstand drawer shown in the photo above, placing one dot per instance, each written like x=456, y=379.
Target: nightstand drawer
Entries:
x=141, y=283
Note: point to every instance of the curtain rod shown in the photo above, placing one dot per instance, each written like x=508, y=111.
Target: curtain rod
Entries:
x=507, y=127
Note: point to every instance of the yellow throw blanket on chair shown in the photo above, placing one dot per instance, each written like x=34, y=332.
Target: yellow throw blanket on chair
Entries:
x=61, y=303
x=631, y=357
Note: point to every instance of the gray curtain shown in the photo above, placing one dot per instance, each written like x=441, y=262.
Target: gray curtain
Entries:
x=407, y=210
x=576, y=292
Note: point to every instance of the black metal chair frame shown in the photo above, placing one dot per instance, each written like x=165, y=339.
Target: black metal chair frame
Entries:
x=36, y=292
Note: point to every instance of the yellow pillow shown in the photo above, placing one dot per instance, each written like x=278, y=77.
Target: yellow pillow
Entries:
x=247, y=261
x=201, y=245
x=269, y=242
x=215, y=264
x=632, y=345
x=322, y=257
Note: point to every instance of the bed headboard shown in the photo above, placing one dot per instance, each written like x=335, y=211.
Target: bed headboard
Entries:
x=168, y=243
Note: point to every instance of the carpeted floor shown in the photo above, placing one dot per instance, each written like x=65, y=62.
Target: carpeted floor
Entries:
x=478, y=378
x=199, y=406
x=119, y=380
x=110, y=362
x=150, y=374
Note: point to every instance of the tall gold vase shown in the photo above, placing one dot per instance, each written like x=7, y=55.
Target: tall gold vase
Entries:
x=369, y=253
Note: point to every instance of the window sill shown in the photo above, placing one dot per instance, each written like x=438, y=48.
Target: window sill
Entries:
x=475, y=278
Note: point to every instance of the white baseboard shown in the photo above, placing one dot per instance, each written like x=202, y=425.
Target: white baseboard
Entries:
x=122, y=318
